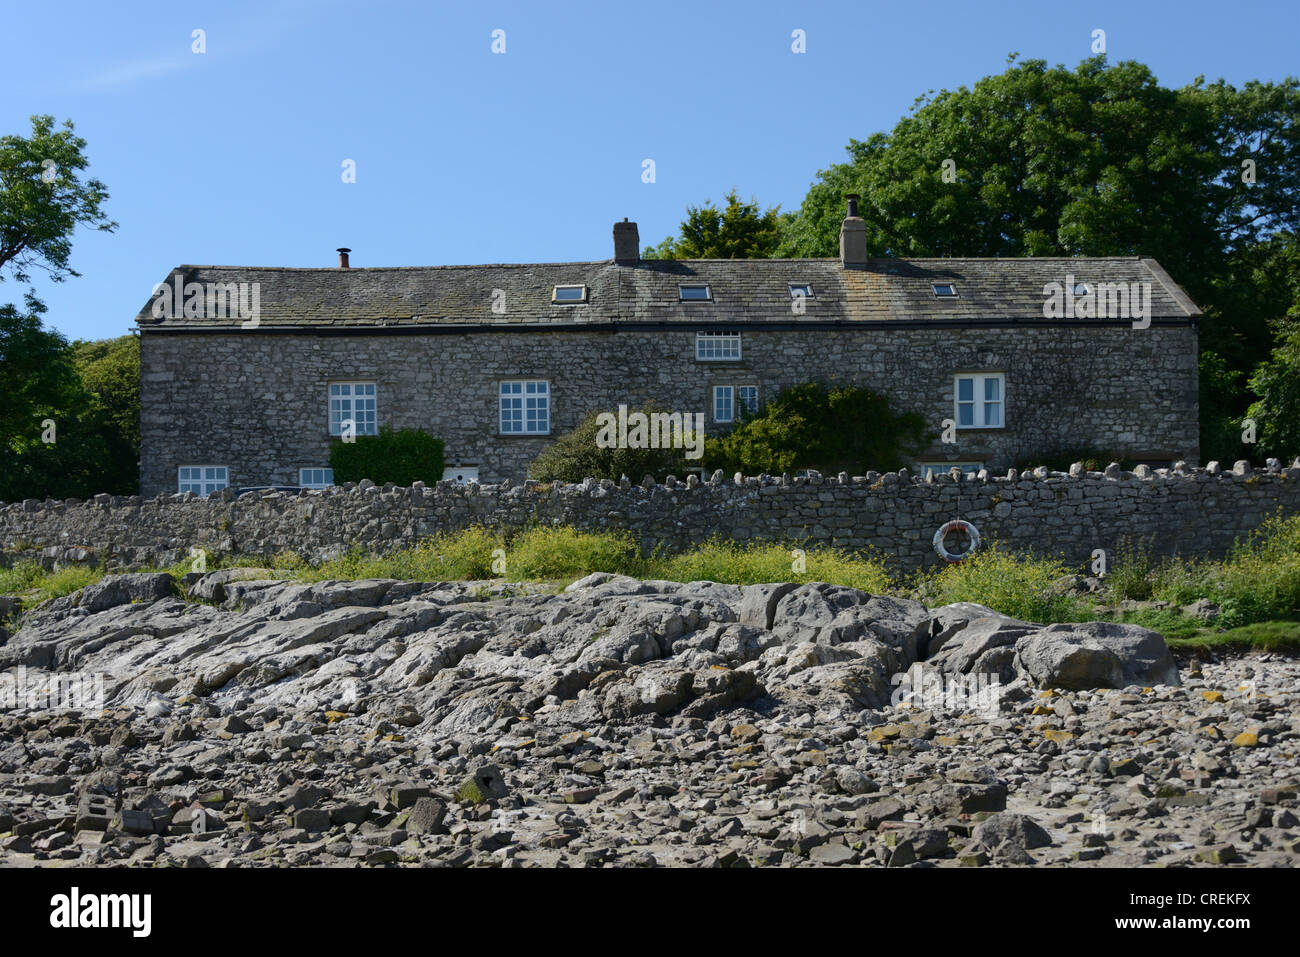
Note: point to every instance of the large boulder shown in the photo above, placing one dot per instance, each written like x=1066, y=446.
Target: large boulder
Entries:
x=1095, y=654
x=947, y=620
x=833, y=614
x=1020, y=829
x=967, y=649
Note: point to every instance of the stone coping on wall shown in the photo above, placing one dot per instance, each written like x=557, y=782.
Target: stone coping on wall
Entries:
x=874, y=481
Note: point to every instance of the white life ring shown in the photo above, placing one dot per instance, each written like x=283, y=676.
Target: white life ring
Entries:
x=956, y=525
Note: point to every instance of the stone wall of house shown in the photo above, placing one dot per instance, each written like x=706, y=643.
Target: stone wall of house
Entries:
x=256, y=401
x=1186, y=511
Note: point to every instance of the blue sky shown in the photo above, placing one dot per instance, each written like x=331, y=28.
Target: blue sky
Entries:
x=234, y=156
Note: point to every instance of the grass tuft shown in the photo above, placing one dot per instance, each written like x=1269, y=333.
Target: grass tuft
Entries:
x=746, y=564
x=1022, y=586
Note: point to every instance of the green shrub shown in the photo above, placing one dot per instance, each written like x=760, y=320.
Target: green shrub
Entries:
x=20, y=577
x=546, y=554
x=67, y=580
x=586, y=453
x=399, y=456
x=1260, y=579
x=748, y=564
x=831, y=428
x=1022, y=586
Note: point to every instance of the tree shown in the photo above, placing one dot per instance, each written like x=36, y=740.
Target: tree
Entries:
x=48, y=443
x=739, y=231
x=830, y=428
x=109, y=370
x=1099, y=161
x=1096, y=161
x=43, y=200
x=36, y=376
x=1277, y=383
x=51, y=443
x=1276, y=413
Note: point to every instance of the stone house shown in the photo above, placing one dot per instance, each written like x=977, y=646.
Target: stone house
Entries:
x=249, y=373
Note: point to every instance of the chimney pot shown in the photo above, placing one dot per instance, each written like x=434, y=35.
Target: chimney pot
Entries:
x=627, y=244
x=343, y=257
x=853, y=202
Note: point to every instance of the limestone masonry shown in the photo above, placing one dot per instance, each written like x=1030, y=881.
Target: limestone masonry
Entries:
x=1181, y=510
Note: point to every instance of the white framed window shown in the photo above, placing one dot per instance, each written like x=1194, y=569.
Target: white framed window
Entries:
x=724, y=403
x=968, y=468
x=525, y=407
x=695, y=293
x=202, y=479
x=564, y=294
x=315, y=478
x=801, y=290
x=728, y=400
x=944, y=290
x=717, y=346
x=355, y=402
x=978, y=400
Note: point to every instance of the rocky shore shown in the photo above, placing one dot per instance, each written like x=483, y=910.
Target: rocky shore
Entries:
x=619, y=722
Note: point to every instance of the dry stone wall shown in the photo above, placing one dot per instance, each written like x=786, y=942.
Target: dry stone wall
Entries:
x=1178, y=511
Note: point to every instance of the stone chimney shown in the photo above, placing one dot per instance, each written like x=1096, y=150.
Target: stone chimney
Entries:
x=853, y=236
x=627, y=244
x=343, y=257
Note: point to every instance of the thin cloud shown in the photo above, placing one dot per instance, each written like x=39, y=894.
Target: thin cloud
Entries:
x=124, y=74
x=245, y=38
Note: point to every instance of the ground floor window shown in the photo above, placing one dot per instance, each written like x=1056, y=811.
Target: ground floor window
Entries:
x=315, y=478
x=728, y=399
x=202, y=479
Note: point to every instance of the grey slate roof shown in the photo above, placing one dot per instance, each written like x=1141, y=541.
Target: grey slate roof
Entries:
x=753, y=290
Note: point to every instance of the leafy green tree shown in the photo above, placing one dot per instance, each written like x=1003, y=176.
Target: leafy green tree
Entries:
x=51, y=443
x=1258, y=287
x=56, y=438
x=1097, y=161
x=43, y=199
x=1277, y=383
x=36, y=376
x=831, y=428
x=109, y=370
x=738, y=231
